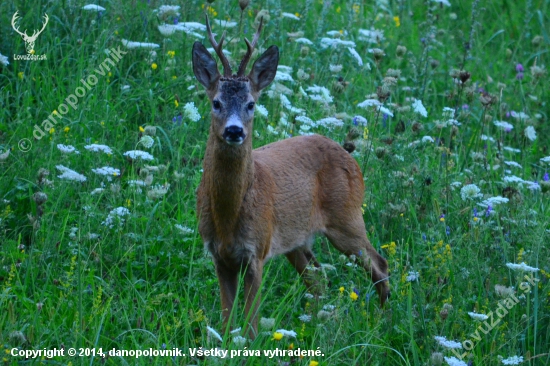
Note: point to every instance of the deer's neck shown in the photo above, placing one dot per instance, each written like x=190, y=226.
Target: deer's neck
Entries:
x=228, y=173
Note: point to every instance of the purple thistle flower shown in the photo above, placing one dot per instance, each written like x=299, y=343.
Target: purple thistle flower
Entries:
x=475, y=212
x=519, y=68
x=465, y=106
x=519, y=76
x=545, y=178
x=355, y=123
x=488, y=212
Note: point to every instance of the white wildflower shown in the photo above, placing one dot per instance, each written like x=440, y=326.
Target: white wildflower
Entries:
x=215, y=334
x=225, y=23
x=191, y=112
x=360, y=121
x=239, y=341
x=184, y=229
x=385, y=111
x=330, y=122
x=444, y=2
x=418, y=107
x=4, y=60
x=369, y=103
x=452, y=361
x=513, y=179
x=67, y=149
x=147, y=141
x=503, y=125
x=138, y=154
x=97, y=191
x=271, y=130
x=169, y=29
x=428, y=139
x=262, y=111
x=470, y=192
x=93, y=7
x=546, y=159
x=309, y=296
x=290, y=15
x=99, y=148
x=337, y=34
x=131, y=45
x=335, y=69
x=511, y=149
x=267, y=323
x=168, y=10
x=283, y=76
x=533, y=186
x=158, y=191
x=371, y=36
x=116, y=214
x=513, y=163
x=303, y=40
x=448, y=112
x=138, y=183
x=92, y=236
x=356, y=55
x=287, y=333
x=304, y=318
x=329, y=307
x=493, y=201
x=69, y=174
x=306, y=121
x=478, y=317
x=530, y=133
x=456, y=184
x=335, y=42
x=412, y=276
x=487, y=138
x=514, y=360
x=521, y=267
x=107, y=170
x=125, y=88
x=286, y=103
x=319, y=93
x=448, y=344
x=519, y=115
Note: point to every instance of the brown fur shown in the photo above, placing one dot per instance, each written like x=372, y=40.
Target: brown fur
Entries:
x=255, y=204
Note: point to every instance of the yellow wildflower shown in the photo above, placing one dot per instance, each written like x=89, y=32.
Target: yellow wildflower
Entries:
x=353, y=296
x=141, y=129
x=313, y=363
x=21, y=74
x=176, y=103
x=171, y=53
x=66, y=129
x=397, y=21
x=277, y=336
x=154, y=66
x=341, y=289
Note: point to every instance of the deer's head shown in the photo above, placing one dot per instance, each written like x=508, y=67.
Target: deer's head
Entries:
x=29, y=40
x=233, y=96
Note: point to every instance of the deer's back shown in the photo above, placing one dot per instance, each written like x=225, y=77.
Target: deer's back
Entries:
x=316, y=184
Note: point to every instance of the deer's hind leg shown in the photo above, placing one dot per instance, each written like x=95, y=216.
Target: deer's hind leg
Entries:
x=300, y=258
x=350, y=238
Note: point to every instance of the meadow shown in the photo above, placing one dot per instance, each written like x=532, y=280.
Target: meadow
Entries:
x=444, y=104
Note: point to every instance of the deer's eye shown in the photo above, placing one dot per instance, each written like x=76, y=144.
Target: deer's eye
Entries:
x=216, y=104
x=250, y=106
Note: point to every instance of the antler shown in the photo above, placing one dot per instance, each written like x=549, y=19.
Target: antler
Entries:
x=250, y=49
x=46, y=18
x=218, y=48
x=13, y=20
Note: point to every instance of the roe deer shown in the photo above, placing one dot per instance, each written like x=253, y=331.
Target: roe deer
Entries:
x=255, y=204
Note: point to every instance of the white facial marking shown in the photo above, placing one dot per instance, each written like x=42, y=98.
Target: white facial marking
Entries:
x=234, y=121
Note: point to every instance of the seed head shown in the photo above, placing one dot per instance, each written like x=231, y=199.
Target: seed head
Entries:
x=536, y=41
x=378, y=54
x=304, y=51
x=243, y=4
x=400, y=51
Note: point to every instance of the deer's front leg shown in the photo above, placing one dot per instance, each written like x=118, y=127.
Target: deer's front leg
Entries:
x=228, y=280
x=252, y=284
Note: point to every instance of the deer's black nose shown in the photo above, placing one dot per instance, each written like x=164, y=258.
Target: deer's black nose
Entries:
x=234, y=134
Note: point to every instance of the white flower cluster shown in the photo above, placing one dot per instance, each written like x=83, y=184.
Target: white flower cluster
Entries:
x=138, y=154
x=115, y=215
x=521, y=267
x=191, y=112
x=69, y=174
x=448, y=344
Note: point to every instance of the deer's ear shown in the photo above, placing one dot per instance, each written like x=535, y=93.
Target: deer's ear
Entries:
x=264, y=69
x=204, y=66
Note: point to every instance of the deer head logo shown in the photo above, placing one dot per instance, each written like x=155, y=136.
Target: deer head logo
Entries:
x=29, y=40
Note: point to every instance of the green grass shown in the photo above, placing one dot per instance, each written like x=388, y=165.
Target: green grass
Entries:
x=146, y=284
